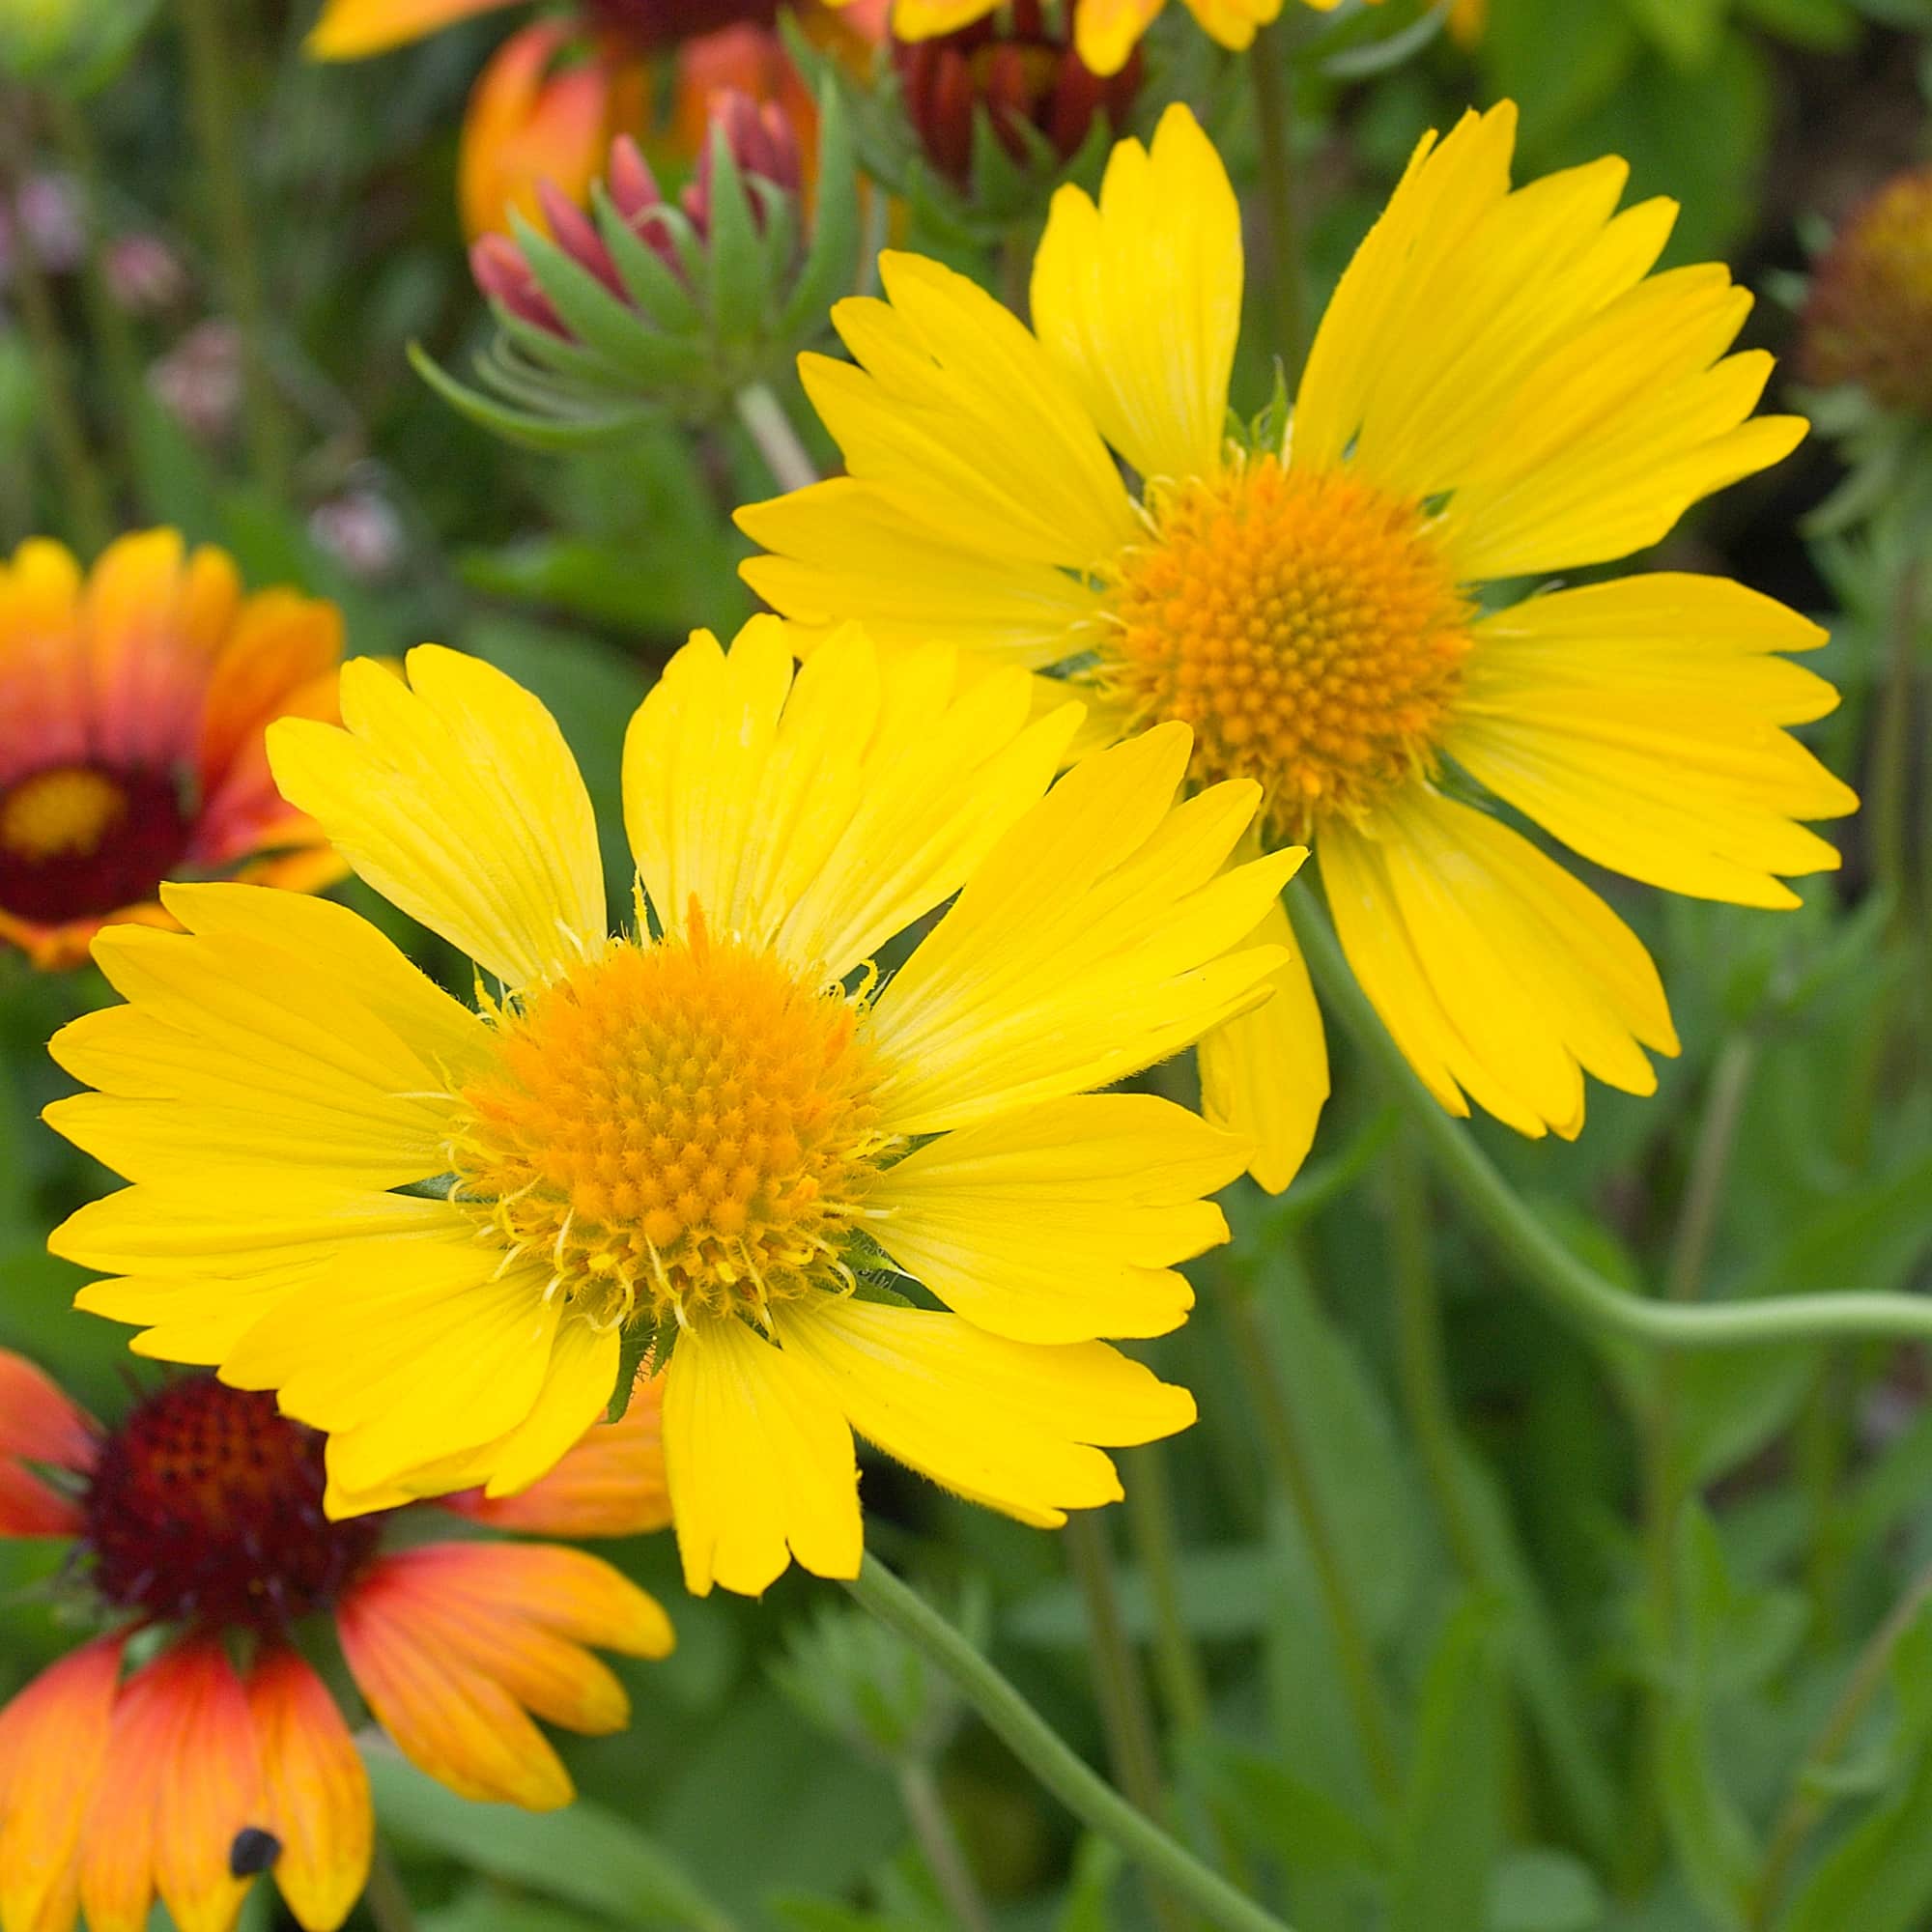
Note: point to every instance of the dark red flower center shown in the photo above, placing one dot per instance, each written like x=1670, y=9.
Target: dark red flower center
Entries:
x=207, y=1505
x=78, y=841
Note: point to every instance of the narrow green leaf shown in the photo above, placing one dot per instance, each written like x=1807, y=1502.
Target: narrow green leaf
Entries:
x=832, y=262
x=624, y=337
x=736, y=291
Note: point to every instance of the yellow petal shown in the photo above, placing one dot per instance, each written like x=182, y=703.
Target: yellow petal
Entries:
x=1265, y=1074
x=354, y=29
x=1137, y=301
x=1640, y=722
x=1443, y=194
x=957, y=418
x=1002, y=1423
x=1094, y=940
x=405, y=1352
x=1617, y=433
x=1062, y=1223
x=1234, y=22
x=760, y=1464
x=1106, y=31
x=1494, y=970
x=842, y=552
x=456, y=798
x=825, y=820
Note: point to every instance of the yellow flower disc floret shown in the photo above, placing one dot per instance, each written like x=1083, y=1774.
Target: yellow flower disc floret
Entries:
x=677, y=1129
x=1303, y=624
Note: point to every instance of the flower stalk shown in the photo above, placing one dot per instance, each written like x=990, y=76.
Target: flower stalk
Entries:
x=1047, y=1755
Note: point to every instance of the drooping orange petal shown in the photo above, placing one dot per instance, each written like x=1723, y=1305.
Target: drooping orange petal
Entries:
x=448, y=1718
x=612, y=1484
x=315, y=1791
x=28, y=1506
x=210, y=1789
x=53, y=1743
x=354, y=29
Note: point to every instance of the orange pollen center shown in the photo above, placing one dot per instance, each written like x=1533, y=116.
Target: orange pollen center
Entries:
x=1304, y=624
x=675, y=1129
x=65, y=811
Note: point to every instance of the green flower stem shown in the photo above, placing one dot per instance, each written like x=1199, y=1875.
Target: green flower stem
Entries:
x=926, y=1812
x=88, y=508
x=1710, y=1164
x=1271, y=66
x=1810, y=1786
x=1120, y=1691
x=213, y=89
x=387, y=1897
x=1183, y=1683
x=1039, y=1747
x=113, y=332
x=779, y=443
x=1288, y=1465
x=1421, y=1359
x=1541, y=1260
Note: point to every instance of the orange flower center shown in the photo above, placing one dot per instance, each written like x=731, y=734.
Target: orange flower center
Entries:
x=678, y=1129
x=1304, y=624
x=60, y=813
x=206, y=1505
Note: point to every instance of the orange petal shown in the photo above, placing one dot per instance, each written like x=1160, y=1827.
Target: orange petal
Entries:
x=446, y=1717
x=354, y=29
x=53, y=1743
x=210, y=1789
x=39, y=1424
x=28, y=1506
x=549, y=1587
x=316, y=1791
x=279, y=641
x=612, y=1484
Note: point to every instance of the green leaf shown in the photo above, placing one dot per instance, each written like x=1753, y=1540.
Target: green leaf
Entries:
x=832, y=262
x=650, y=281
x=736, y=291
x=554, y=434
x=1305, y=1828
x=484, y=1910
x=1450, y=1832
x=1878, y=1878
x=585, y=1856
x=1096, y=1870
x=1224, y=1592
x=1538, y=1889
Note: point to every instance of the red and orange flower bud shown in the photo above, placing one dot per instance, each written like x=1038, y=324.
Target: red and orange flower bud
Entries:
x=761, y=143
x=546, y=109
x=1022, y=70
x=1868, y=320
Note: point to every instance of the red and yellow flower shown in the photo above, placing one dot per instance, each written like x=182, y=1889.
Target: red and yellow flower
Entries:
x=191, y=1745
x=132, y=704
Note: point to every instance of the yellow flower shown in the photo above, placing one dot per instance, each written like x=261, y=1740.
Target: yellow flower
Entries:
x=720, y=1126
x=1105, y=32
x=1500, y=389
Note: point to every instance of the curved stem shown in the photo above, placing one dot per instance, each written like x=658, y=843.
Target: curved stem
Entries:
x=1807, y=1798
x=1424, y=1387
x=779, y=442
x=1120, y=1690
x=1041, y=1749
x=1539, y=1259
x=1272, y=67
x=926, y=1812
x=1183, y=1683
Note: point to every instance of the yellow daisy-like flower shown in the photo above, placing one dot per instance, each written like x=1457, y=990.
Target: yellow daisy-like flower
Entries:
x=1105, y=32
x=430, y=1229
x=1500, y=389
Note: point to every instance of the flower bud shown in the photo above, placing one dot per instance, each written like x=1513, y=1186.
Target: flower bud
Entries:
x=651, y=306
x=1036, y=94
x=1868, y=319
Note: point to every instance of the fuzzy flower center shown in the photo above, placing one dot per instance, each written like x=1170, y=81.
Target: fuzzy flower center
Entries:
x=1306, y=627
x=207, y=1505
x=674, y=1129
x=77, y=841
x=67, y=811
